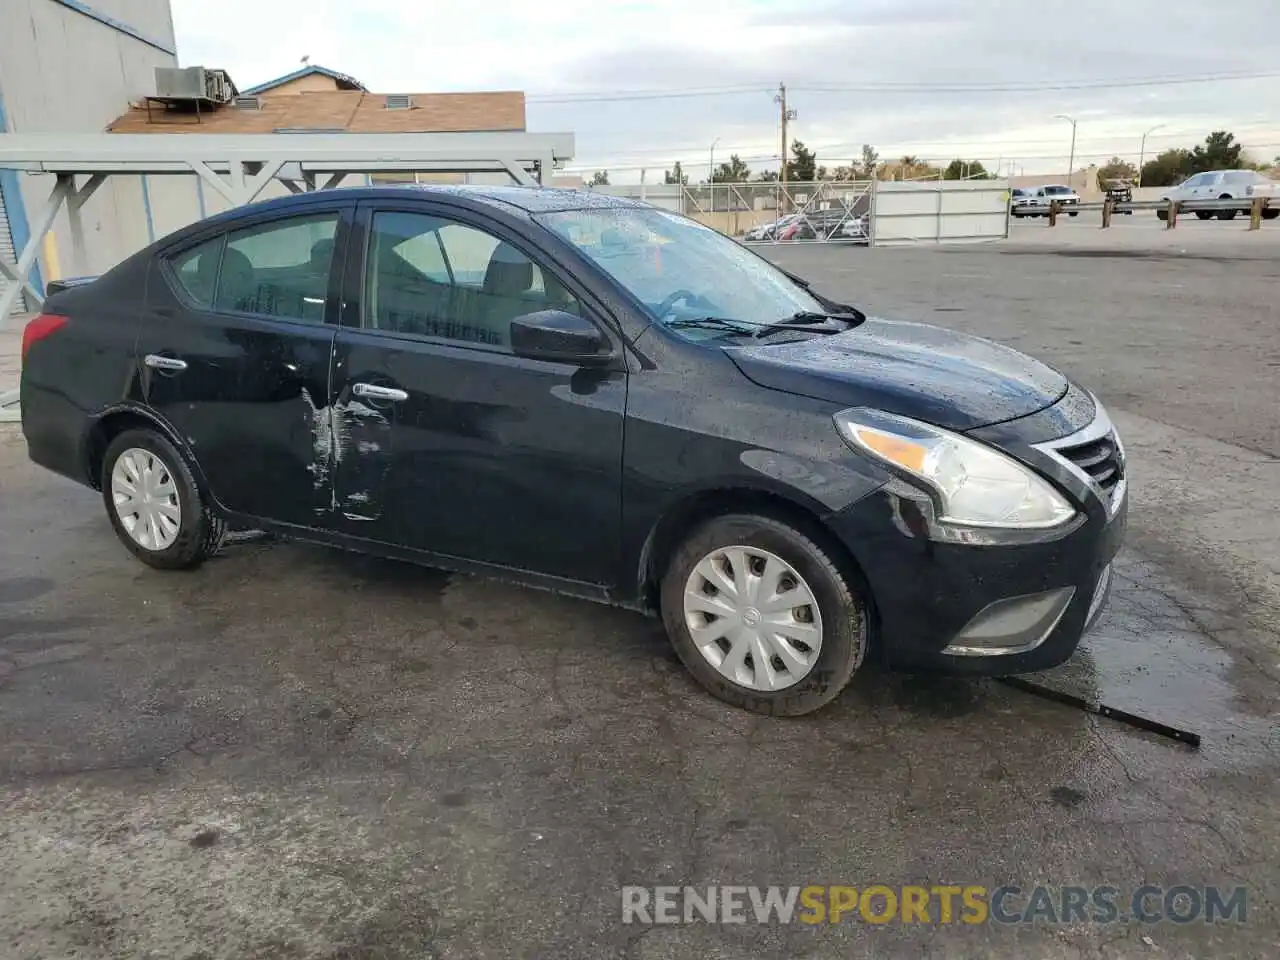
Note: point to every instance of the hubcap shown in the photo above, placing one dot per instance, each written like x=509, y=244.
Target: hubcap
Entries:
x=753, y=617
x=146, y=499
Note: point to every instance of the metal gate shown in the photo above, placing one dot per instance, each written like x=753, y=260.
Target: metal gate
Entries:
x=827, y=211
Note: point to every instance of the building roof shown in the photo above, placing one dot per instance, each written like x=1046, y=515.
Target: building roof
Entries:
x=343, y=81
x=339, y=111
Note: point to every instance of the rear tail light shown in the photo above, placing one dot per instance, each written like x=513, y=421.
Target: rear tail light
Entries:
x=39, y=328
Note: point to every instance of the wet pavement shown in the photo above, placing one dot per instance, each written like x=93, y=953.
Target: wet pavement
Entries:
x=300, y=753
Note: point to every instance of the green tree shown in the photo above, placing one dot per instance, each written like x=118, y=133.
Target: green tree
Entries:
x=965, y=170
x=1218, y=152
x=866, y=170
x=735, y=171
x=1167, y=168
x=768, y=176
x=599, y=179
x=1115, y=169
x=803, y=165
x=676, y=175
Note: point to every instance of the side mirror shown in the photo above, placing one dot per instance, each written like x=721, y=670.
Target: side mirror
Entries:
x=558, y=336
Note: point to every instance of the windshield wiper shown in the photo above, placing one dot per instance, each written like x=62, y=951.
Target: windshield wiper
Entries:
x=811, y=321
x=713, y=323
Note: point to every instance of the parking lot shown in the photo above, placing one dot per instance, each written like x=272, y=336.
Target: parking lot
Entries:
x=299, y=753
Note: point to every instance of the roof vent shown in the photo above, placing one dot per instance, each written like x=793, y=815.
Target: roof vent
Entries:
x=399, y=101
x=248, y=103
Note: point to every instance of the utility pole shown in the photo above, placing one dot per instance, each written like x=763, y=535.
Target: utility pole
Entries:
x=781, y=101
x=1071, y=164
x=786, y=115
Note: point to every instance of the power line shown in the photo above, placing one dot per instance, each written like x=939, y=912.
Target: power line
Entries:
x=886, y=86
x=1004, y=157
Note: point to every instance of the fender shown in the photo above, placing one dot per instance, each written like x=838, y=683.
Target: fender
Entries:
x=171, y=434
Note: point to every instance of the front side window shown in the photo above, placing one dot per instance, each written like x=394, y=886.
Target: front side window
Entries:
x=279, y=269
x=678, y=268
x=434, y=277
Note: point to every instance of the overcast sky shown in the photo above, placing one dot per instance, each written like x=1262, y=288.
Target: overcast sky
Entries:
x=573, y=48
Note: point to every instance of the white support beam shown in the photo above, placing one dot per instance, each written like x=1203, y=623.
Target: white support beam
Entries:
x=19, y=272
x=75, y=200
x=335, y=180
x=518, y=173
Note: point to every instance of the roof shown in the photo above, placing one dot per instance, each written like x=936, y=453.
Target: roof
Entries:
x=344, y=81
x=475, y=196
x=340, y=111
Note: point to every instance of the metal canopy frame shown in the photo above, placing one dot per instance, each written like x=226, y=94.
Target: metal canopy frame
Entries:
x=240, y=166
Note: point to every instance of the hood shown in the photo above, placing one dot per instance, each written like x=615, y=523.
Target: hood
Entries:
x=942, y=377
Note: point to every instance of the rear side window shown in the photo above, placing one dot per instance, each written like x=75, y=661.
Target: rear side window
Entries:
x=197, y=270
x=279, y=269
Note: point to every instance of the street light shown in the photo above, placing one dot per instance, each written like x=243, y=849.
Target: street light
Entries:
x=1071, y=164
x=1142, y=150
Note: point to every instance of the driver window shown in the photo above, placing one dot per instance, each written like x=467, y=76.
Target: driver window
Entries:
x=434, y=277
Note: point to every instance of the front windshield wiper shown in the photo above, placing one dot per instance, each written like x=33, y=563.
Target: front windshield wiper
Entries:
x=811, y=321
x=713, y=323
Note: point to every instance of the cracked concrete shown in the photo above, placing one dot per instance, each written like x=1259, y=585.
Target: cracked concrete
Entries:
x=299, y=753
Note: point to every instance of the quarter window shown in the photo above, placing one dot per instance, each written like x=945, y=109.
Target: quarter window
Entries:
x=279, y=269
x=434, y=277
x=197, y=270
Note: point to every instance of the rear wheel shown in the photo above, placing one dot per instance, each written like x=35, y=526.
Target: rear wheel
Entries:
x=762, y=617
x=154, y=504
x=1270, y=213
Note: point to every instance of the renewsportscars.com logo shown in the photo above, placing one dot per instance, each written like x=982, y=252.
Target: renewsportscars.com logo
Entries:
x=942, y=904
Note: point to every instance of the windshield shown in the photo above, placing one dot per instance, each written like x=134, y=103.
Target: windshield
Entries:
x=680, y=269
x=1057, y=189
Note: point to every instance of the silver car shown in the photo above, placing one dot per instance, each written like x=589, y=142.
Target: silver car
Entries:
x=1223, y=185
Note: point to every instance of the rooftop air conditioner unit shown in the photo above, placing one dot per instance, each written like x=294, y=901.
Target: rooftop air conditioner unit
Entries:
x=193, y=83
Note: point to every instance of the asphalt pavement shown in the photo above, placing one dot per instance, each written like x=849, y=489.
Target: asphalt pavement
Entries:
x=301, y=753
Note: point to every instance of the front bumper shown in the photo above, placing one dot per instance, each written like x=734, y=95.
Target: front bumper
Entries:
x=999, y=607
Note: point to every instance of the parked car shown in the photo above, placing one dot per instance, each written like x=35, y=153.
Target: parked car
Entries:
x=596, y=396
x=1241, y=185
x=1022, y=203
x=1065, y=196
x=768, y=231
x=835, y=223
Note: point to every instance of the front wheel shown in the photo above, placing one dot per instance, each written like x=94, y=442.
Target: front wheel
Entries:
x=1226, y=214
x=154, y=503
x=1204, y=214
x=762, y=617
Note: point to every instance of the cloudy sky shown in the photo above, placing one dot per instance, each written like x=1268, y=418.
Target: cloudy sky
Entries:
x=938, y=79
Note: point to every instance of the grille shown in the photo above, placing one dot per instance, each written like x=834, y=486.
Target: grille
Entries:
x=1100, y=459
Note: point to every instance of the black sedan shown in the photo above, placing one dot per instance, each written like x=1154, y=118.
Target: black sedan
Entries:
x=595, y=396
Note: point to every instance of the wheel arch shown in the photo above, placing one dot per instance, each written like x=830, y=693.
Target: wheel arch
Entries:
x=696, y=508
x=112, y=422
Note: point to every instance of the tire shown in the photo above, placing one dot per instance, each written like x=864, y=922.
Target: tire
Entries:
x=841, y=619
x=1270, y=214
x=1226, y=214
x=199, y=532
x=1074, y=213
x=1204, y=214
x=1162, y=214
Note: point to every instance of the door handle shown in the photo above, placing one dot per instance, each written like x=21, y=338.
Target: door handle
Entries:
x=157, y=362
x=374, y=392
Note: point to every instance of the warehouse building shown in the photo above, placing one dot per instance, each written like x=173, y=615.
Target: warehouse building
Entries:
x=71, y=66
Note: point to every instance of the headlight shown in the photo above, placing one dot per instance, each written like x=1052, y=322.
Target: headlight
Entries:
x=975, y=484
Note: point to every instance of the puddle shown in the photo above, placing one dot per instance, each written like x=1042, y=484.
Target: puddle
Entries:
x=1149, y=656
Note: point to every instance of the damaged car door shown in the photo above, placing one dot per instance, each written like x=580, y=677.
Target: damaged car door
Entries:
x=236, y=347
x=448, y=440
